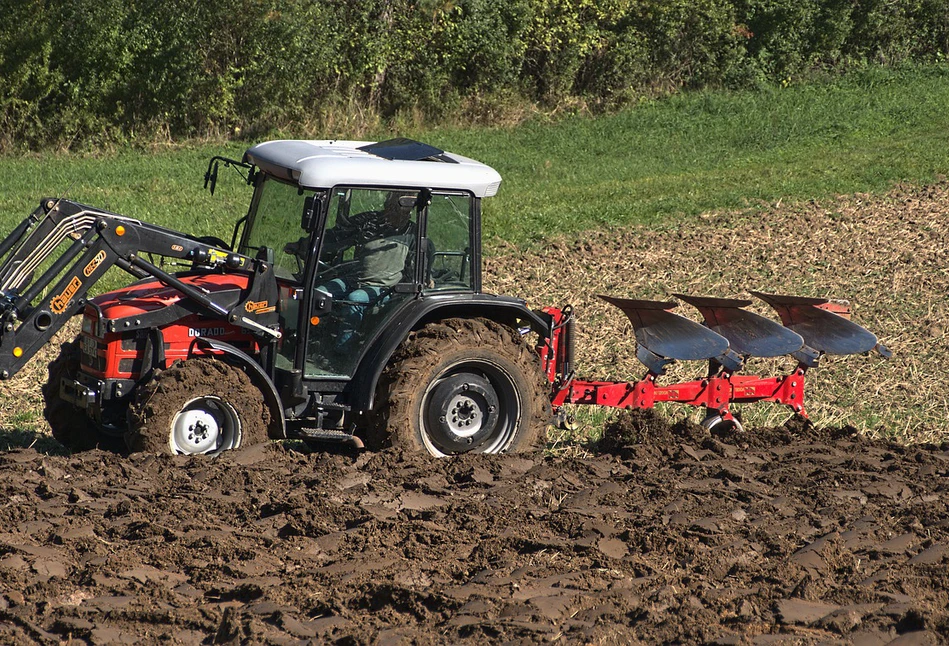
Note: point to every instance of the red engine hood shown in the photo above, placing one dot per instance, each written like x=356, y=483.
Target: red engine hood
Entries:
x=147, y=297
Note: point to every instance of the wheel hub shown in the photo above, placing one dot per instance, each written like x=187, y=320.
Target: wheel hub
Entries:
x=204, y=425
x=465, y=416
x=462, y=413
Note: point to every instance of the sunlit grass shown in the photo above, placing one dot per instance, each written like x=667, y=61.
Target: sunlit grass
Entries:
x=652, y=164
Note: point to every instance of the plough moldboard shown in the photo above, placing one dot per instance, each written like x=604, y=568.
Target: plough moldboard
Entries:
x=731, y=334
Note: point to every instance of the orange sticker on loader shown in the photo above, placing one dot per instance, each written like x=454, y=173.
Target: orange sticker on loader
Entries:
x=93, y=264
x=58, y=304
x=259, y=307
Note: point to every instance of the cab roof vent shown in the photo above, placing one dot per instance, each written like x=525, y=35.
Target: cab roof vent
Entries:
x=403, y=149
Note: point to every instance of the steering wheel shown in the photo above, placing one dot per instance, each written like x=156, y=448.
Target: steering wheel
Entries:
x=326, y=271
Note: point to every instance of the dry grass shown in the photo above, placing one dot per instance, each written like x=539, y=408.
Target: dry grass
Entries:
x=889, y=255
x=886, y=254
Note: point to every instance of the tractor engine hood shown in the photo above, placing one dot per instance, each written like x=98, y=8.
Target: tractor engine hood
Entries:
x=152, y=303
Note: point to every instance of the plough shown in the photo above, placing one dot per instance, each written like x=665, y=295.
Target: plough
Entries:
x=731, y=334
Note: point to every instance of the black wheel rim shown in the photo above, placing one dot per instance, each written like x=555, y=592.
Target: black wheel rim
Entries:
x=470, y=406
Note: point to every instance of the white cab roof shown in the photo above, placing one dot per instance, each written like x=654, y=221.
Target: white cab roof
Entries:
x=329, y=163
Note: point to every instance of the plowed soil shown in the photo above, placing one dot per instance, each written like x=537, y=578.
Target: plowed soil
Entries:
x=792, y=535
x=659, y=533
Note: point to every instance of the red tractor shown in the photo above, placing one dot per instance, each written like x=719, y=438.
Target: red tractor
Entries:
x=347, y=306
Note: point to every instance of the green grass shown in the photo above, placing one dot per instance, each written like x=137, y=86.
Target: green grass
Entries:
x=653, y=164
x=719, y=150
x=164, y=187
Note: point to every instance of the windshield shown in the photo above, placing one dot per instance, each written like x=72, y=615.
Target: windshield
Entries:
x=273, y=230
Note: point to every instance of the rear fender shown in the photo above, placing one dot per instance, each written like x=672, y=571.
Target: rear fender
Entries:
x=505, y=310
x=211, y=346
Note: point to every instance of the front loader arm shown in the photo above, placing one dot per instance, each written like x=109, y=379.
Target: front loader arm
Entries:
x=33, y=309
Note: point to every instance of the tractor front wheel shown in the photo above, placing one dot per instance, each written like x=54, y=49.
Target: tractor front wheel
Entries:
x=199, y=406
x=459, y=386
x=69, y=424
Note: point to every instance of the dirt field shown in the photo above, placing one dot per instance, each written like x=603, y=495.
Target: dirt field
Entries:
x=672, y=536
x=786, y=534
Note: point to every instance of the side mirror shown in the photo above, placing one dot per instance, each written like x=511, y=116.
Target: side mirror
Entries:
x=210, y=177
x=311, y=210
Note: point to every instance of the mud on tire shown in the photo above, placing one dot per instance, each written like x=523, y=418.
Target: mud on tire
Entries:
x=70, y=425
x=461, y=385
x=201, y=405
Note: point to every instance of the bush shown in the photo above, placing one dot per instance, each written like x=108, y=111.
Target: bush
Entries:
x=86, y=71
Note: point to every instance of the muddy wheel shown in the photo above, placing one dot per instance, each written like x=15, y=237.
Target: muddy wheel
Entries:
x=70, y=425
x=198, y=406
x=462, y=385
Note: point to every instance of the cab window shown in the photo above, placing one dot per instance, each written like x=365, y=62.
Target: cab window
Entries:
x=449, y=233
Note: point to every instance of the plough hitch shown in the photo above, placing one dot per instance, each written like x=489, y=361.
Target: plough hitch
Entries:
x=731, y=334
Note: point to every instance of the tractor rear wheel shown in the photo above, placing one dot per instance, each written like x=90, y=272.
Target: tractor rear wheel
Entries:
x=459, y=386
x=198, y=406
x=70, y=425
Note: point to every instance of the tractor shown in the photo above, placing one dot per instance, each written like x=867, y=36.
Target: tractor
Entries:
x=347, y=306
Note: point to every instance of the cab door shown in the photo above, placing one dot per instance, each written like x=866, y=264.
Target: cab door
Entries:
x=365, y=272
x=274, y=232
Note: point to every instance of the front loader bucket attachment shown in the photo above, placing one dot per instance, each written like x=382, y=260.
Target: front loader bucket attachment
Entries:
x=820, y=328
x=750, y=334
x=666, y=335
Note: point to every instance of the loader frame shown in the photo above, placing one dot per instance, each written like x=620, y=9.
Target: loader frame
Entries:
x=33, y=309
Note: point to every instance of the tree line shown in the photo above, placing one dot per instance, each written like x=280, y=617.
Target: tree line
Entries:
x=80, y=72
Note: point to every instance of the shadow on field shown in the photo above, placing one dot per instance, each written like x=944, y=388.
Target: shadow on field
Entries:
x=16, y=438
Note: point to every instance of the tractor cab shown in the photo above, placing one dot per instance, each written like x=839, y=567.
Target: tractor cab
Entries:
x=355, y=233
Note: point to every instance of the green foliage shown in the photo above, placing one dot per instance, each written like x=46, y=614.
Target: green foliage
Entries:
x=26, y=78
x=651, y=164
x=97, y=71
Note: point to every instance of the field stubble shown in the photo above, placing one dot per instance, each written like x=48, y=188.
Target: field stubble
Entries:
x=886, y=254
